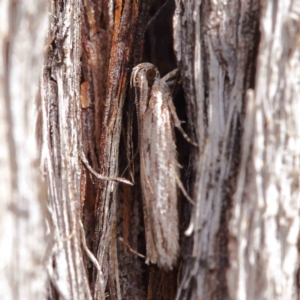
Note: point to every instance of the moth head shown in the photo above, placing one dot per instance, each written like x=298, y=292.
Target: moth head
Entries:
x=144, y=74
x=151, y=75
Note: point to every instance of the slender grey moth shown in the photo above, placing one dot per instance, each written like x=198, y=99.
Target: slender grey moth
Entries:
x=157, y=117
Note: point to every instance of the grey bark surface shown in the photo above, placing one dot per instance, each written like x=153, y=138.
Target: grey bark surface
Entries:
x=22, y=190
x=240, y=71
x=240, y=62
x=62, y=143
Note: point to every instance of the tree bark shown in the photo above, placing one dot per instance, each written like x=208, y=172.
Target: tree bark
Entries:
x=62, y=144
x=239, y=65
x=22, y=190
x=238, y=60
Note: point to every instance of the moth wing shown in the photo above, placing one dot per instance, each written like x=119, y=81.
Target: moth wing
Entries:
x=158, y=174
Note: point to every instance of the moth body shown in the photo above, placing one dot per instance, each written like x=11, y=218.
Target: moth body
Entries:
x=158, y=165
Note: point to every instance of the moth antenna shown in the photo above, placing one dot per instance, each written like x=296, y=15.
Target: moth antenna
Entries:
x=172, y=74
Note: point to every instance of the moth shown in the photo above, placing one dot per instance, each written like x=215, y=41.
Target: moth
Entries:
x=156, y=118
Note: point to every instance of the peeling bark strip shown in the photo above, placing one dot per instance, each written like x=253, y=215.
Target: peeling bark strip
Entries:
x=127, y=41
x=61, y=147
x=245, y=242
x=216, y=48
x=158, y=163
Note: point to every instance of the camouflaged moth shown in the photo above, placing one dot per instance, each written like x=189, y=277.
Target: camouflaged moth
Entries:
x=157, y=117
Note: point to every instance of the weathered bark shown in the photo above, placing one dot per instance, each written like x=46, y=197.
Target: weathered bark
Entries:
x=22, y=190
x=243, y=106
x=239, y=64
x=264, y=228
x=62, y=144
